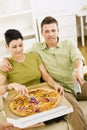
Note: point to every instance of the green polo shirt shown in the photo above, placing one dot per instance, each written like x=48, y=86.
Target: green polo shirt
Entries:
x=59, y=61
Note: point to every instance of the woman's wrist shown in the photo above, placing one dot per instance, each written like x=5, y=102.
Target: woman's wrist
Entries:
x=10, y=86
x=6, y=87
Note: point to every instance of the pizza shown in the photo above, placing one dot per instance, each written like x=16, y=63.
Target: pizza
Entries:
x=39, y=100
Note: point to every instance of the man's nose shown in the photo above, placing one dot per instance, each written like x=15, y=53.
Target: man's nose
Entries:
x=50, y=33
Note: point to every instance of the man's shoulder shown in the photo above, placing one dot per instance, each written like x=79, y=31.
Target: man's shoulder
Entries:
x=67, y=44
x=37, y=46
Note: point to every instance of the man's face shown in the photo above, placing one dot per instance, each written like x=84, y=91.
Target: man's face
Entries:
x=50, y=34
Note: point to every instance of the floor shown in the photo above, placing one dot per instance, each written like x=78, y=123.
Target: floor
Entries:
x=83, y=49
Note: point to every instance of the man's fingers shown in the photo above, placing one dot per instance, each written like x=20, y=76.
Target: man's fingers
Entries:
x=60, y=90
x=5, y=69
x=9, y=65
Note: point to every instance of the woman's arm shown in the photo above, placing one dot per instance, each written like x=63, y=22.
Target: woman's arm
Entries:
x=21, y=89
x=46, y=77
x=2, y=84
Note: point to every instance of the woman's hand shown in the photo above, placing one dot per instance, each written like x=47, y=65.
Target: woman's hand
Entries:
x=7, y=126
x=59, y=88
x=5, y=65
x=21, y=89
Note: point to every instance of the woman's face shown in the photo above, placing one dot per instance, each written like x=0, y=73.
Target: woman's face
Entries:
x=15, y=47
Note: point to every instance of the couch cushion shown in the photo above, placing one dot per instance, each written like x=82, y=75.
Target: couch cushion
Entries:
x=83, y=105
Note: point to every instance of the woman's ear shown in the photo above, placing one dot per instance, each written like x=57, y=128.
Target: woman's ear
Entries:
x=41, y=32
x=6, y=45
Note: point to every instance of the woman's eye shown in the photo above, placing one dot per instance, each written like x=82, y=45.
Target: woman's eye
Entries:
x=20, y=45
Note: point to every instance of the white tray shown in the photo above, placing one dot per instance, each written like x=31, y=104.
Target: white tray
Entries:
x=41, y=117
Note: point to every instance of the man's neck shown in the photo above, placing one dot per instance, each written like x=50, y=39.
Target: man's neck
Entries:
x=51, y=45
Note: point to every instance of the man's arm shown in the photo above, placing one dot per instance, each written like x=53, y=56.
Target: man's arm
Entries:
x=46, y=77
x=77, y=74
x=5, y=65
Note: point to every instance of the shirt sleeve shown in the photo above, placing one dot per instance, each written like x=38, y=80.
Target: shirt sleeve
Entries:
x=38, y=58
x=75, y=52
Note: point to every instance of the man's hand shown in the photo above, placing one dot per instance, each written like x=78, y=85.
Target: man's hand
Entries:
x=59, y=88
x=5, y=65
x=78, y=76
x=77, y=73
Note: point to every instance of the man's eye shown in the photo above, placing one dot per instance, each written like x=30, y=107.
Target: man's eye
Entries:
x=53, y=30
x=14, y=46
x=46, y=31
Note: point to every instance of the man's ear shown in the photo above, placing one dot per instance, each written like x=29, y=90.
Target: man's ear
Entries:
x=6, y=45
x=41, y=32
x=58, y=30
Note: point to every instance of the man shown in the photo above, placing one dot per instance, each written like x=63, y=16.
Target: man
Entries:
x=64, y=63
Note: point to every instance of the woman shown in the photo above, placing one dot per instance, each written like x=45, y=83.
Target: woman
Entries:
x=27, y=69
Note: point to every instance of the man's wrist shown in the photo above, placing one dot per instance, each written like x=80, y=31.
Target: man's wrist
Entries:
x=77, y=69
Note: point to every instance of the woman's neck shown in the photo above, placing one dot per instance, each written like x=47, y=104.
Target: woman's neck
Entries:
x=19, y=59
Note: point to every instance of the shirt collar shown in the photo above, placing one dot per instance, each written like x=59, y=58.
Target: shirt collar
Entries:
x=44, y=46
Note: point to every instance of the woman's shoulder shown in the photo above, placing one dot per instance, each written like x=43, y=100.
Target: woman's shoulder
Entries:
x=32, y=54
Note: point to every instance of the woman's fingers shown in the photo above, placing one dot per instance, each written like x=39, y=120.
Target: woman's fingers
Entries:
x=23, y=91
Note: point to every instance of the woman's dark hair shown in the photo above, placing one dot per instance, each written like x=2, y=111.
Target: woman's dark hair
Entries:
x=12, y=34
x=48, y=20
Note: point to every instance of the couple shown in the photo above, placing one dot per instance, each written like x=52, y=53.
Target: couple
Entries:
x=62, y=60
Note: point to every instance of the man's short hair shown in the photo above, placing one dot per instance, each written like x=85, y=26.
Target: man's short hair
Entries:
x=48, y=20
